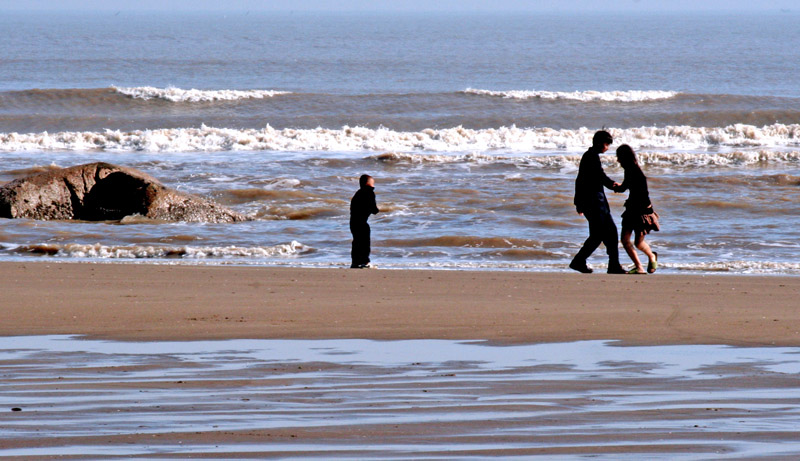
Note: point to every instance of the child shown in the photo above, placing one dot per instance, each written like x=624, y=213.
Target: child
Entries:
x=361, y=207
x=639, y=216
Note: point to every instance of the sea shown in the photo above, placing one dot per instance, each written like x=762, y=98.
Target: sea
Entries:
x=472, y=124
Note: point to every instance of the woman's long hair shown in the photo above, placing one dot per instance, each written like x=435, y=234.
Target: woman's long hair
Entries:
x=627, y=158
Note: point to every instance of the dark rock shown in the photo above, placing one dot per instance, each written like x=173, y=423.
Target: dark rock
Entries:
x=102, y=191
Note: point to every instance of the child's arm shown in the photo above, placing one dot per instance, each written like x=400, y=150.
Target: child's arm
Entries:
x=375, y=209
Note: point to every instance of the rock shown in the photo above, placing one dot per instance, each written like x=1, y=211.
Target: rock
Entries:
x=102, y=191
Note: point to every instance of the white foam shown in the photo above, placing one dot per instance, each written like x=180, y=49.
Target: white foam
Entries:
x=282, y=183
x=739, y=267
x=732, y=159
x=188, y=252
x=179, y=95
x=584, y=96
x=715, y=267
x=569, y=162
x=360, y=139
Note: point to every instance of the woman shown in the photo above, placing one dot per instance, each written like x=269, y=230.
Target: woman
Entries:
x=639, y=217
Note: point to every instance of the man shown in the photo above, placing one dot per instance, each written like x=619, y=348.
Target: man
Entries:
x=591, y=202
x=361, y=207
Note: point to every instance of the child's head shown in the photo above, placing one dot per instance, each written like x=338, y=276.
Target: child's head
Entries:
x=625, y=156
x=366, y=180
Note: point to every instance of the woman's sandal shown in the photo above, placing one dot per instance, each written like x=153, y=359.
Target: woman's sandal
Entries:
x=653, y=265
x=634, y=271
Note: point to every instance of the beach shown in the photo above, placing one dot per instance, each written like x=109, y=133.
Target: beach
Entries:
x=243, y=362
x=159, y=338
x=161, y=302
x=474, y=147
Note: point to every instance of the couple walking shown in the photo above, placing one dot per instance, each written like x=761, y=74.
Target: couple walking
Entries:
x=590, y=201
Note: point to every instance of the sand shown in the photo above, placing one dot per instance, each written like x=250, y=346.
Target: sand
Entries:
x=149, y=302
x=226, y=404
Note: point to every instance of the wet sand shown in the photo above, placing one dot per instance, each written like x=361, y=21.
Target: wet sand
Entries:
x=413, y=399
x=150, y=302
x=529, y=389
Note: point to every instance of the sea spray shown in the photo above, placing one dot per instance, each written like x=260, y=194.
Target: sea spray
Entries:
x=349, y=139
x=174, y=94
x=583, y=96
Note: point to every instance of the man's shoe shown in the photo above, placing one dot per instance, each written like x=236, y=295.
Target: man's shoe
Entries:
x=616, y=270
x=582, y=268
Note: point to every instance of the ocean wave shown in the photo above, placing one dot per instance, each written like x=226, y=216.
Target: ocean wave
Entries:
x=733, y=159
x=738, y=267
x=718, y=267
x=295, y=214
x=446, y=140
x=74, y=250
x=179, y=95
x=648, y=159
x=584, y=96
x=468, y=241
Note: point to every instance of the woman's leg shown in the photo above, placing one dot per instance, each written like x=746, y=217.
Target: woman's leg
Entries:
x=626, y=243
x=642, y=245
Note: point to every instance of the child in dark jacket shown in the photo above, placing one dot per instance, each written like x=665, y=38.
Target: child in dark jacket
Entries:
x=361, y=207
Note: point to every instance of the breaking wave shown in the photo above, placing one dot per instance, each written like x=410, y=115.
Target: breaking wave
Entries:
x=584, y=96
x=355, y=139
x=179, y=95
x=463, y=241
x=155, y=252
x=740, y=267
x=652, y=159
x=731, y=267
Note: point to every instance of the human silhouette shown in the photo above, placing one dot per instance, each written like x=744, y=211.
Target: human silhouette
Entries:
x=639, y=217
x=361, y=207
x=591, y=202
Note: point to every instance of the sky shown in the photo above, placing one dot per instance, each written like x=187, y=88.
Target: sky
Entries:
x=405, y=5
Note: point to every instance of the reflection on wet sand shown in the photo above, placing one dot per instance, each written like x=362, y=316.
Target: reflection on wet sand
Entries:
x=394, y=399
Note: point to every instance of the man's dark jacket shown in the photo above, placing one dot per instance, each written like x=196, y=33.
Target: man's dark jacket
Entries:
x=589, y=193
